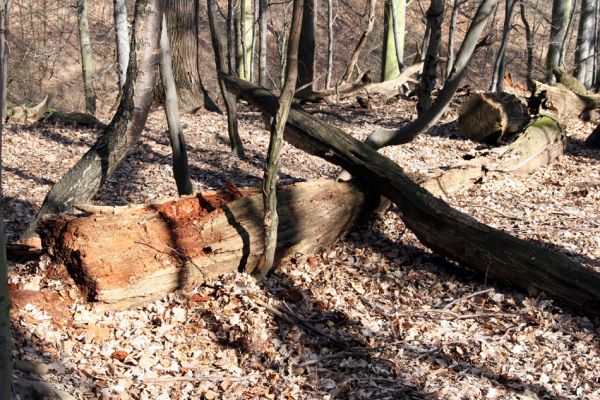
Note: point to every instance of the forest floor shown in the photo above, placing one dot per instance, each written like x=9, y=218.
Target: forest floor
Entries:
x=377, y=315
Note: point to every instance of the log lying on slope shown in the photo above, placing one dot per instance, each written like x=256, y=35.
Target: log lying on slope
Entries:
x=561, y=101
x=126, y=255
x=443, y=229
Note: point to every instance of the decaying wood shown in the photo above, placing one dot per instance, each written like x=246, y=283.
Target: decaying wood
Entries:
x=24, y=114
x=127, y=255
x=361, y=85
x=489, y=117
x=72, y=119
x=568, y=80
x=446, y=231
x=561, y=101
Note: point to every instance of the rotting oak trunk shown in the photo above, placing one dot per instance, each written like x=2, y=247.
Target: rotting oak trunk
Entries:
x=446, y=231
x=489, y=117
x=126, y=255
x=86, y=177
x=561, y=101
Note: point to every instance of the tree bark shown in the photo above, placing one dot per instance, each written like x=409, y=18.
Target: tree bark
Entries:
x=500, y=63
x=122, y=39
x=6, y=362
x=490, y=117
x=558, y=31
x=84, y=179
x=306, y=62
x=329, y=44
x=392, y=53
x=584, y=56
x=271, y=217
x=237, y=148
x=181, y=169
x=445, y=230
x=262, y=59
x=381, y=138
x=362, y=41
x=245, y=31
x=561, y=101
x=182, y=21
x=435, y=17
x=183, y=243
x=87, y=67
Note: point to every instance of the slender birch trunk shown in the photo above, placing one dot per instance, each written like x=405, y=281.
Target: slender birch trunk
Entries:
x=86, y=56
x=122, y=39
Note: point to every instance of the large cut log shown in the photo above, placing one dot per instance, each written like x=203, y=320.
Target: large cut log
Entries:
x=446, y=231
x=127, y=255
x=561, y=101
x=489, y=117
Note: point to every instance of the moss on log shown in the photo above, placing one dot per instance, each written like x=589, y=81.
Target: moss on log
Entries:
x=489, y=117
x=126, y=255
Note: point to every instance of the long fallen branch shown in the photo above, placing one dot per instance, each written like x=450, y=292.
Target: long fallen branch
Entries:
x=446, y=231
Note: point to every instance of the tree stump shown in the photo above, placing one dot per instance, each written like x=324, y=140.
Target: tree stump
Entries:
x=489, y=117
x=126, y=255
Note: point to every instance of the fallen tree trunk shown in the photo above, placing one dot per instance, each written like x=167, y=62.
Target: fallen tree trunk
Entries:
x=126, y=255
x=593, y=140
x=445, y=230
x=489, y=117
x=561, y=101
x=346, y=90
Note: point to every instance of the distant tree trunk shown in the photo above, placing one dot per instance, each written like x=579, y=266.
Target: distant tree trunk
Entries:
x=451, y=35
x=237, y=148
x=558, y=31
x=245, y=31
x=392, y=53
x=382, y=137
x=500, y=63
x=361, y=43
x=306, y=64
x=6, y=362
x=84, y=179
x=182, y=21
x=230, y=26
x=435, y=16
x=529, y=41
x=584, y=57
x=262, y=58
x=271, y=218
x=86, y=56
x=329, y=44
x=122, y=39
x=181, y=169
x=255, y=18
x=567, y=38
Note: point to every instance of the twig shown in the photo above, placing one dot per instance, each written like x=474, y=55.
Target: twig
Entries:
x=447, y=306
x=201, y=378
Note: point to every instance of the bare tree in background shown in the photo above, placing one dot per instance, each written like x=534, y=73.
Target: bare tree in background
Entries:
x=86, y=56
x=584, y=54
x=271, y=218
x=435, y=16
x=362, y=41
x=529, y=44
x=263, y=16
x=122, y=39
x=245, y=33
x=500, y=63
x=181, y=169
x=6, y=362
x=306, y=62
x=560, y=20
x=330, y=21
x=393, y=39
x=452, y=35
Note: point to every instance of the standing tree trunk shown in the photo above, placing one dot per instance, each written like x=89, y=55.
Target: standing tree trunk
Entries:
x=182, y=21
x=558, y=31
x=500, y=63
x=271, y=218
x=245, y=29
x=6, y=362
x=262, y=58
x=529, y=41
x=86, y=177
x=584, y=55
x=451, y=35
x=393, y=53
x=361, y=43
x=122, y=38
x=306, y=63
x=86, y=56
x=435, y=16
x=329, y=44
x=181, y=169
x=237, y=148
